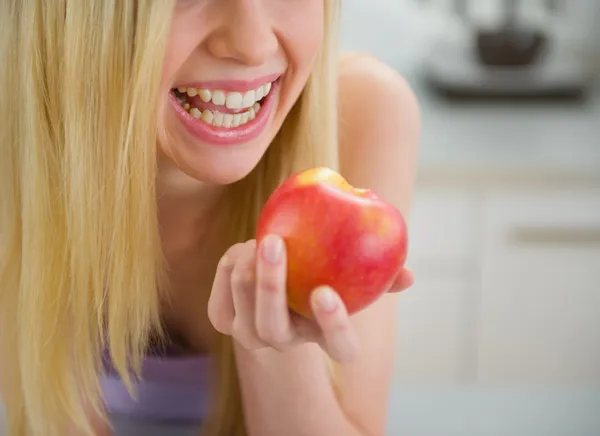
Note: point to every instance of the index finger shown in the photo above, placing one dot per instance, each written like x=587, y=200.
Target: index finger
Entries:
x=220, y=303
x=272, y=314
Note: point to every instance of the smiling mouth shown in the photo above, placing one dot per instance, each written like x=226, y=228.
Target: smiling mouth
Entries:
x=220, y=108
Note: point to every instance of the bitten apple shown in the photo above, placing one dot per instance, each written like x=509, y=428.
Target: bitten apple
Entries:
x=335, y=235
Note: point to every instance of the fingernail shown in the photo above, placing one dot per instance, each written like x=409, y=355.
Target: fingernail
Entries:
x=326, y=299
x=272, y=249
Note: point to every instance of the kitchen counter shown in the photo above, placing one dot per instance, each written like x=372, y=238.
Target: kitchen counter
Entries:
x=493, y=411
x=509, y=143
x=479, y=144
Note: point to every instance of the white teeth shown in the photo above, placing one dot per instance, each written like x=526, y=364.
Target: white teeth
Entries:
x=205, y=95
x=249, y=99
x=218, y=97
x=218, y=119
x=234, y=101
x=260, y=93
x=207, y=116
x=196, y=113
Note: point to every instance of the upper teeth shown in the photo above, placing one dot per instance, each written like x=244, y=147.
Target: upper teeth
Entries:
x=232, y=100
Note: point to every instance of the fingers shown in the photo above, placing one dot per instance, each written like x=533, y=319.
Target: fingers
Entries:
x=243, y=284
x=249, y=302
x=340, y=340
x=220, y=304
x=404, y=281
x=272, y=319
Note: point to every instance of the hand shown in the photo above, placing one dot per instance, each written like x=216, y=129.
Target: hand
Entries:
x=248, y=301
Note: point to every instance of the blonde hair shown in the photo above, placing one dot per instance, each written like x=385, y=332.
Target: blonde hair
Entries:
x=80, y=254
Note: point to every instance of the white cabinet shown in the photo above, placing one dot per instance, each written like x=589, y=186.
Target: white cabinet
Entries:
x=441, y=227
x=434, y=323
x=539, y=321
x=507, y=288
x=431, y=335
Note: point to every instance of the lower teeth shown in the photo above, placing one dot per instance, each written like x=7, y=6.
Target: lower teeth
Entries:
x=220, y=119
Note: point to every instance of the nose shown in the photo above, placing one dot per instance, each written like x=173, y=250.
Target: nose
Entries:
x=246, y=34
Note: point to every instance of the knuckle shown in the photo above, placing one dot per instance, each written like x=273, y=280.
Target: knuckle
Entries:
x=274, y=337
x=244, y=343
x=243, y=336
x=228, y=260
x=219, y=322
x=235, y=248
x=270, y=284
x=240, y=278
x=343, y=356
x=236, y=279
x=348, y=353
x=249, y=343
x=340, y=326
x=211, y=307
x=226, y=263
x=213, y=314
x=222, y=328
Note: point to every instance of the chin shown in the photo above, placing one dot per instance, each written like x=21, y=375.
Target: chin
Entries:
x=211, y=168
x=221, y=175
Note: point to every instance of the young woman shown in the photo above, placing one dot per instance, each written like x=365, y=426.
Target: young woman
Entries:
x=139, y=141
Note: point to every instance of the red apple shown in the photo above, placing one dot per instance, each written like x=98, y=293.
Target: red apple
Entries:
x=335, y=235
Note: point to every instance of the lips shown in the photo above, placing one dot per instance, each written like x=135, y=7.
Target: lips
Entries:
x=224, y=118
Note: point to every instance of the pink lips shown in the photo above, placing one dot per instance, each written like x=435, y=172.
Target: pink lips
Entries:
x=223, y=136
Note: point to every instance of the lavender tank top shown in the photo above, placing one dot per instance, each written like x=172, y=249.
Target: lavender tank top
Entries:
x=171, y=388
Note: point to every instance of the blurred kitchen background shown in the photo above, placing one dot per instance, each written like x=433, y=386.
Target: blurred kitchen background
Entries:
x=501, y=333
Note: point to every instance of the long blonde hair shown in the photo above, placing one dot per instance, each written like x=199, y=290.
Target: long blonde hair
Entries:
x=80, y=254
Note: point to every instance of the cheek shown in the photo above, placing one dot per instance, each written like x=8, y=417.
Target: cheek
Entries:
x=180, y=45
x=302, y=33
x=172, y=59
x=188, y=30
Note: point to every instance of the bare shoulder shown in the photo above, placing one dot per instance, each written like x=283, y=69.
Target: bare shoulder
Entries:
x=361, y=73
x=379, y=125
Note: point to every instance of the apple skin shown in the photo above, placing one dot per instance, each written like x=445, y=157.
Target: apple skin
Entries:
x=335, y=235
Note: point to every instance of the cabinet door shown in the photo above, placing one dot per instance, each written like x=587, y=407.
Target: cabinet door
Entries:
x=435, y=330
x=540, y=308
x=441, y=232
x=432, y=332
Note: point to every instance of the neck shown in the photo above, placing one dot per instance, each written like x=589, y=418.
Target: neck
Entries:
x=185, y=207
